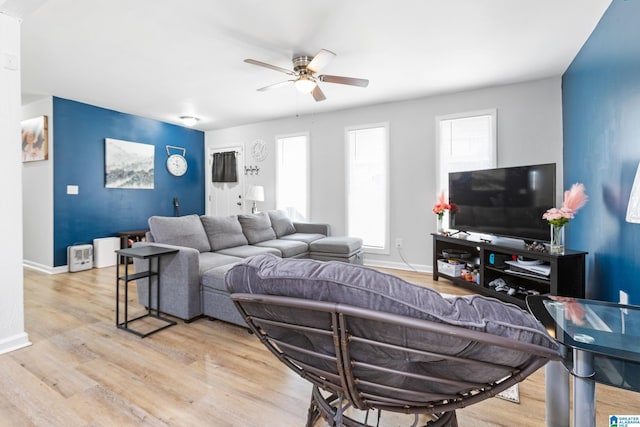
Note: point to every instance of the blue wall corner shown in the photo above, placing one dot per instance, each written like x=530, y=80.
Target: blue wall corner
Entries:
x=601, y=120
x=80, y=131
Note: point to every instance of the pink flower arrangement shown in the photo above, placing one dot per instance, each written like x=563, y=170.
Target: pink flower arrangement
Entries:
x=574, y=199
x=441, y=206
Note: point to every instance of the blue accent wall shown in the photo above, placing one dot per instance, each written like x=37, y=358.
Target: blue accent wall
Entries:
x=601, y=121
x=79, y=148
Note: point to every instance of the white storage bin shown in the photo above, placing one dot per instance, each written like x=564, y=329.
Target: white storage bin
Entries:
x=449, y=269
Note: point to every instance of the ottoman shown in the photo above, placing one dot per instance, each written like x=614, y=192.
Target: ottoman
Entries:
x=337, y=248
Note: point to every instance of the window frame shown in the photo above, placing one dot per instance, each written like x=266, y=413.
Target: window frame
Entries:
x=386, y=249
x=493, y=154
x=307, y=160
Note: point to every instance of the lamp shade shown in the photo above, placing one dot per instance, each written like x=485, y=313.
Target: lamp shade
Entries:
x=256, y=192
x=305, y=84
x=633, y=209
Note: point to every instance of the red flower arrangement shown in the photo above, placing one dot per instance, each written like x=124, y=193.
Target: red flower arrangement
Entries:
x=442, y=206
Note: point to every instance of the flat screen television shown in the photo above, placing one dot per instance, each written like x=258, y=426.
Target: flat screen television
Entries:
x=505, y=202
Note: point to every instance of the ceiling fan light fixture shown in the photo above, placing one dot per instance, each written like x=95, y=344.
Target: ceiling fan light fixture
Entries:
x=189, y=120
x=305, y=84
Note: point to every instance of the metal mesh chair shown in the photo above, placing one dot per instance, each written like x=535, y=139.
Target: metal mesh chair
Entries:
x=340, y=350
x=364, y=361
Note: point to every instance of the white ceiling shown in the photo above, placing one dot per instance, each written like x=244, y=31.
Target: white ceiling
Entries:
x=166, y=58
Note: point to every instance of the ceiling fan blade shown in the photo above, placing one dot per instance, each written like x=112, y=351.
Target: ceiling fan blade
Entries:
x=344, y=80
x=322, y=58
x=271, y=67
x=318, y=95
x=275, y=85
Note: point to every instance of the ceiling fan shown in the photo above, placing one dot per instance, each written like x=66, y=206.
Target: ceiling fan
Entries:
x=303, y=73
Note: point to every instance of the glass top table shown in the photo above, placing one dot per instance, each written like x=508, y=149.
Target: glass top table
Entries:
x=604, y=339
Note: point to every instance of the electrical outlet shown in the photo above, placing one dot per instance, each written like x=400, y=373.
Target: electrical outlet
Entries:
x=624, y=299
x=399, y=243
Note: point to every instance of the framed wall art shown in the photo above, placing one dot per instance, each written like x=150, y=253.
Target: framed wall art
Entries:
x=35, y=139
x=129, y=164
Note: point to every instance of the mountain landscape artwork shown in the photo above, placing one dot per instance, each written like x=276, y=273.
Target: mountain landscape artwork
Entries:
x=128, y=164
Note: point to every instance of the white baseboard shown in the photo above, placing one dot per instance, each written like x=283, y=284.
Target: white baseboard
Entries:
x=14, y=343
x=45, y=268
x=398, y=265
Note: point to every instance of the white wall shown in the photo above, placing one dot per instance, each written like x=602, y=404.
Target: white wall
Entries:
x=529, y=132
x=37, y=197
x=12, y=335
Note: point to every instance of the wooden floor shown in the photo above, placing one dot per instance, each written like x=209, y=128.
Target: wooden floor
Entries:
x=83, y=371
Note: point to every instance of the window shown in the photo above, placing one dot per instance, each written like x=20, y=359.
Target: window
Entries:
x=464, y=142
x=367, y=186
x=292, y=175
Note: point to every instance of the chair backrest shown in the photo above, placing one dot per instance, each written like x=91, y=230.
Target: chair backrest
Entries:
x=383, y=343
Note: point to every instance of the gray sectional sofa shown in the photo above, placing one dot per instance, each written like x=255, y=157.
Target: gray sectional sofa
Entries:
x=192, y=280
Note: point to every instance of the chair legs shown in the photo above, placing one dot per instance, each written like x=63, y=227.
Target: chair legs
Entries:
x=331, y=409
x=314, y=412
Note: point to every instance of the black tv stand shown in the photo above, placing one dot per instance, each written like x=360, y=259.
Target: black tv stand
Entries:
x=566, y=278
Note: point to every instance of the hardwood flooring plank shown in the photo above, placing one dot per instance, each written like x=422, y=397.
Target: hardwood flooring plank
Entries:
x=82, y=370
x=35, y=399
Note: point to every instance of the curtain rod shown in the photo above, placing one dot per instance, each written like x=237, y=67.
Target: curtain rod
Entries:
x=237, y=152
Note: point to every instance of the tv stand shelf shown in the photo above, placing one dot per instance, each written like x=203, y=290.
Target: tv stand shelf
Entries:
x=566, y=278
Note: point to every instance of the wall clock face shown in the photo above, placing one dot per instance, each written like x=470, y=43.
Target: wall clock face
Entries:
x=259, y=150
x=177, y=165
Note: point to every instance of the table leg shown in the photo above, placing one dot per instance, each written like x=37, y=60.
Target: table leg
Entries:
x=584, y=390
x=558, y=405
x=118, y=294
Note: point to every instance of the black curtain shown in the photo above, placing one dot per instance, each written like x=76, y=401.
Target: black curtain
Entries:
x=224, y=167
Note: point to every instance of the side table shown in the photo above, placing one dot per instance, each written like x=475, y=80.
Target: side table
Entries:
x=150, y=253
x=604, y=348
x=125, y=236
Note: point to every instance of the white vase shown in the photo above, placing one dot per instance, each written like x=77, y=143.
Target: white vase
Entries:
x=557, y=239
x=440, y=228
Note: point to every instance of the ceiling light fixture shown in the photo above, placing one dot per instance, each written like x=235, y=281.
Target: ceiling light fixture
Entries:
x=305, y=83
x=189, y=120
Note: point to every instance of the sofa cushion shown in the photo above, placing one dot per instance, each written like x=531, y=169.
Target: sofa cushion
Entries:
x=180, y=231
x=257, y=227
x=214, y=278
x=336, y=245
x=223, y=232
x=303, y=237
x=209, y=260
x=247, y=251
x=281, y=223
x=288, y=248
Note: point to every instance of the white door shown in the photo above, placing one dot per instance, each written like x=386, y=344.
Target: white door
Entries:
x=225, y=198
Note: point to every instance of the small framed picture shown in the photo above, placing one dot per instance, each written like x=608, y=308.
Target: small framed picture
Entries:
x=35, y=139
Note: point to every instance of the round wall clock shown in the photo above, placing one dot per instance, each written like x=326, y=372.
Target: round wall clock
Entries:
x=177, y=165
x=259, y=150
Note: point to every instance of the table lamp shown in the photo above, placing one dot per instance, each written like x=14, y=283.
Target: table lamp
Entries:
x=255, y=193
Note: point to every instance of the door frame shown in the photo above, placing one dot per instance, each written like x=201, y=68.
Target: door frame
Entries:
x=239, y=149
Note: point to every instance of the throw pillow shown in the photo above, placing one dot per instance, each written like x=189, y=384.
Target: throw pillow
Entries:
x=184, y=231
x=223, y=232
x=281, y=223
x=257, y=227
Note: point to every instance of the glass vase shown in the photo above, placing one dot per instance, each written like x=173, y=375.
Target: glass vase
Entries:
x=557, y=239
x=440, y=227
